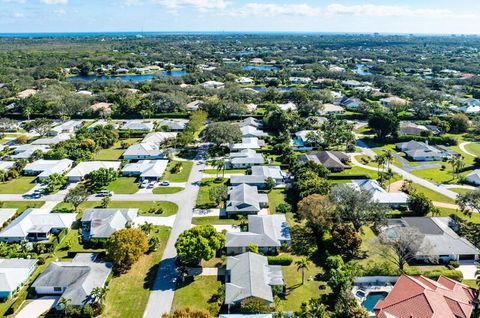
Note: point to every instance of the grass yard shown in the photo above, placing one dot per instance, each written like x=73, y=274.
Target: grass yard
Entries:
x=167, y=190
x=439, y=176
x=473, y=148
x=213, y=220
x=275, y=198
x=296, y=292
x=475, y=218
x=354, y=172
x=169, y=208
x=432, y=195
x=21, y=205
x=196, y=291
x=215, y=171
x=124, y=185
x=128, y=294
x=460, y=190
x=116, y=151
x=19, y=185
x=181, y=176
x=203, y=199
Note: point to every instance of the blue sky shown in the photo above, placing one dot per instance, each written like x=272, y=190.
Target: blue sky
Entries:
x=406, y=16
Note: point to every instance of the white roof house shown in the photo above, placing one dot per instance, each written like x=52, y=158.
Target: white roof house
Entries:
x=245, y=158
x=14, y=272
x=5, y=165
x=86, y=167
x=6, y=214
x=251, y=107
x=146, y=169
x=248, y=143
x=159, y=137
x=252, y=131
x=143, y=150
x=288, y=106
x=195, y=105
x=36, y=225
x=52, y=140
x=393, y=100
x=250, y=121
x=137, y=125
x=213, y=85
x=409, y=128
x=44, y=168
x=101, y=223
x=67, y=127
x=26, y=151
x=474, y=177
x=245, y=80
x=379, y=194
x=331, y=109
x=259, y=176
x=174, y=124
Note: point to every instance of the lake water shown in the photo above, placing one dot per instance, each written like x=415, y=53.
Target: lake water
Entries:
x=361, y=69
x=260, y=68
x=128, y=78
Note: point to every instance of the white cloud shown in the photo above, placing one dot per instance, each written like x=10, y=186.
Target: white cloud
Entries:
x=55, y=1
x=272, y=9
x=387, y=11
x=197, y=4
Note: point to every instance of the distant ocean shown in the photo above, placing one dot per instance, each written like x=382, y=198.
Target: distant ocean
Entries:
x=146, y=34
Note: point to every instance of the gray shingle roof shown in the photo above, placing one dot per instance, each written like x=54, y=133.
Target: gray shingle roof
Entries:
x=243, y=198
x=263, y=230
x=106, y=221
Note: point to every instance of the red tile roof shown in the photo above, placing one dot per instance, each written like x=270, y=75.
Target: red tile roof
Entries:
x=421, y=297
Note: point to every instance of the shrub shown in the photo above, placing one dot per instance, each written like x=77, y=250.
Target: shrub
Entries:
x=450, y=273
x=453, y=264
x=283, y=260
x=283, y=208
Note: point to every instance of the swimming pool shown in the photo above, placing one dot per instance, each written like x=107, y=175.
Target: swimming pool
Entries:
x=372, y=299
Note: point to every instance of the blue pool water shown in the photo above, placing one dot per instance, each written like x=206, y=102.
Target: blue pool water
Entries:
x=372, y=299
x=128, y=78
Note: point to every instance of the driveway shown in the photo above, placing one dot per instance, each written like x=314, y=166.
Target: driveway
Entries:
x=227, y=227
x=37, y=307
x=468, y=269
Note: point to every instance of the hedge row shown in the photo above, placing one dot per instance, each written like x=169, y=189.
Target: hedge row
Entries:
x=283, y=260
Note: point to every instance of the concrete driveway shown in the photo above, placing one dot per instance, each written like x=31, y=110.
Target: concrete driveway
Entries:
x=37, y=307
x=468, y=269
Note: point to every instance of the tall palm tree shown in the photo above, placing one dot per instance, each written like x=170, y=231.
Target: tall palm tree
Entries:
x=303, y=264
x=99, y=293
x=457, y=165
x=380, y=161
x=388, y=158
x=147, y=228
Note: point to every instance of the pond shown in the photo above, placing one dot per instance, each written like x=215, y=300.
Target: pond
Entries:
x=128, y=78
x=260, y=68
x=372, y=299
x=361, y=69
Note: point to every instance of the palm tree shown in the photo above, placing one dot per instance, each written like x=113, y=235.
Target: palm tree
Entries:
x=3, y=175
x=388, y=158
x=99, y=293
x=147, y=228
x=457, y=165
x=302, y=264
x=64, y=302
x=380, y=161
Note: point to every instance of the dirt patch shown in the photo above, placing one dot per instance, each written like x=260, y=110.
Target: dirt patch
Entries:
x=396, y=186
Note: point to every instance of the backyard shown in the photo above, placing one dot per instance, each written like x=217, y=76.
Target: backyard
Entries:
x=196, y=291
x=115, y=152
x=182, y=175
x=123, y=185
x=18, y=185
x=203, y=199
x=169, y=208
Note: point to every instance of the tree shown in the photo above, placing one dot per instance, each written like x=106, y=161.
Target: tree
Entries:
x=125, y=247
x=200, y=242
x=419, y=204
x=54, y=181
x=253, y=248
x=283, y=208
x=218, y=194
x=318, y=210
x=147, y=228
x=303, y=240
x=459, y=123
x=384, y=124
x=346, y=241
x=22, y=139
x=269, y=183
x=76, y=196
x=105, y=202
x=98, y=179
x=356, y=206
x=99, y=293
x=309, y=182
x=254, y=305
x=64, y=303
x=222, y=133
x=469, y=202
x=219, y=165
x=404, y=242
x=188, y=312
x=457, y=165
x=312, y=308
x=39, y=125
x=303, y=264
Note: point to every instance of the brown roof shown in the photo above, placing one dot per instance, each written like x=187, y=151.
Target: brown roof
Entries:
x=421, y=297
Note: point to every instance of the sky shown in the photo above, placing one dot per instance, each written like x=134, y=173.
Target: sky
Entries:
x=384, y=16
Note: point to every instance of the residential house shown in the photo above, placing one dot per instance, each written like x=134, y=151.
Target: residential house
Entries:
x=379, y=194
x=47, y=141
x=137, y=125
x=301, y=142
x=14, y=272
x=351, y=83
x=68, y=127
x=27, y=93
x=5, y=215
x=250, y=121
x=36, y=225
x=101, y=223
x=247, y=143
x=44, y=168
x=146, y=169
x=74, y=280
x=6, y=165
x=84, y=168
x=26, y=151
x=332, y=160
x=251, y=107
x=174, y=125
x=213, y=85
x=327, y=109
x=393, y=101
x=420, y=151
x=143, y=150
x=474, y=177
x=195, y=105
x=419, y=296
x=102, y=122
x=245, y=80
x=159, y=137
x=349, y=103
x=252, y=131
x=245, y=199
x=336, y=69
x=409, y=128
x=245, y=158
x=259, y=176
x=249, y=275
x=299, y=80
x=440, y=241
x=268, y=232
x=288, y=106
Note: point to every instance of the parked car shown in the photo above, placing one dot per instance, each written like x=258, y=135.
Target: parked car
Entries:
x=151, y=184
x=105, y=193
x=164, y=183
x=144, y=184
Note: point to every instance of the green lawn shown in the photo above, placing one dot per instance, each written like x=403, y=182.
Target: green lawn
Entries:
x=21, y=205
x=124, y=185
x=167, y=190
x=296, y=292
x=460, y=190
x=128, y=294
x=475, y=218
x=196, y=291
x=439, y=176
x=116, y=151
x=169, y=208
x=474, y=148
x=432, y=195
x=355, y=172
x=215, y=171
x=213, y=220
x=275, y=198
x=203, y=199
x=182, y=176
x=19, y=185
